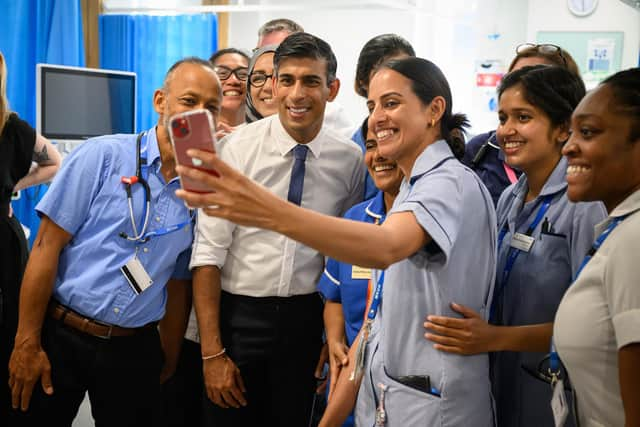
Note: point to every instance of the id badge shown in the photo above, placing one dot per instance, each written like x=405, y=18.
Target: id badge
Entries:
x=360, y=272
x=136, y=275
x=522, y=242
x=559, y=405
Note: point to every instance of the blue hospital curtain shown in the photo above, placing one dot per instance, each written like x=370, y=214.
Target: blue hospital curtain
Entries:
x=148, y=45
x=34, y=31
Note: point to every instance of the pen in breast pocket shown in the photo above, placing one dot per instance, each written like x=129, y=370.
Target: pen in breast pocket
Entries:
x=545, y=225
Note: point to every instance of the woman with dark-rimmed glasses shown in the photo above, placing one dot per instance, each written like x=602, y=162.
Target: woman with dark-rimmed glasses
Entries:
x=231, y=67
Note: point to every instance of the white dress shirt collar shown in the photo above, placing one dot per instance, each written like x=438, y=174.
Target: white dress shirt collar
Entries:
x=286, y=143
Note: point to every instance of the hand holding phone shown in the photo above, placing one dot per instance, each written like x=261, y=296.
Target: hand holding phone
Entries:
x=192, y=129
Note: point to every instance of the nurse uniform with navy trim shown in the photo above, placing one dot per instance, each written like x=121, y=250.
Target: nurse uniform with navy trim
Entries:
x=453, y=206
x=535, y=285
x=88, y=200
x=345, y=283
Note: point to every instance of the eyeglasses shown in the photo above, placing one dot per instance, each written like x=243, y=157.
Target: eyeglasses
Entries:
x=224, y=73
x=544, y=49
x=259, y=79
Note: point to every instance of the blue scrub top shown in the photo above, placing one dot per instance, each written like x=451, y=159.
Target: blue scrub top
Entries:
x=345, y=283
x=536, y=285
x=88, y=200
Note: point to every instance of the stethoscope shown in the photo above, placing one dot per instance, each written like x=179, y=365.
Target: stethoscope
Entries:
x=142, y=173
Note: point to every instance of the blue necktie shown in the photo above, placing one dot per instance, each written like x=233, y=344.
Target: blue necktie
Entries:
x=297, y=174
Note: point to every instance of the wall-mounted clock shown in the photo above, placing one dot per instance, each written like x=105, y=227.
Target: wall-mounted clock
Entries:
x=582, y=7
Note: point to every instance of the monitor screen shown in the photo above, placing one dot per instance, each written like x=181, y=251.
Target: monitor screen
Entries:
x=80, y=103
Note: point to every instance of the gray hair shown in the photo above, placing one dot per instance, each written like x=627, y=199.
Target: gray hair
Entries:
x=280, y=24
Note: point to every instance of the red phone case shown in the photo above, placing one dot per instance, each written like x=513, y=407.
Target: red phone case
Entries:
x=192, y=129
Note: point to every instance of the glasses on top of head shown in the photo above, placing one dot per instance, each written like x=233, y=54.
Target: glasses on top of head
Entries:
x=544, y=49
x=258, y=79
x=224, y=72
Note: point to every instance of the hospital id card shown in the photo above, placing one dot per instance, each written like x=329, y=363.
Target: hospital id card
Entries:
x=360, y=272
x=559, y=405
x=522, y=242
x=136, y=275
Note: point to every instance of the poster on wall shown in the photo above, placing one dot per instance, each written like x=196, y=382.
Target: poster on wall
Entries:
x=597, y=53
x=489, y=73
x=600, y=54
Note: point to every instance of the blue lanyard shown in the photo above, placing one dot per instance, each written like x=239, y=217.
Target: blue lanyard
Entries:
x=169, y=229
x=554, y=360
x=514, y=252
x=377, y=297
x=142, y=172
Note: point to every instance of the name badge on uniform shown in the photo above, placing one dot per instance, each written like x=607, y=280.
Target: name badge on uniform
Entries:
x=136, y=275
x=522, y=242
x=360, y=272
x=559, y=404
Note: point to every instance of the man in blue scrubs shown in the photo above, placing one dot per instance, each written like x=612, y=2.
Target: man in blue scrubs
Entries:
x=102, y=273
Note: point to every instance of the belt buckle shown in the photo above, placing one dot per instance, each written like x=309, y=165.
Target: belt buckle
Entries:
x=109, y=332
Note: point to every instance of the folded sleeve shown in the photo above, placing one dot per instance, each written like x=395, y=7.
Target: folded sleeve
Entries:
x=621, y=285
x=329, y=284
x=435, y=199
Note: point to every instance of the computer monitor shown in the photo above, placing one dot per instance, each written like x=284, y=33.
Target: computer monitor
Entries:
x=74, y=103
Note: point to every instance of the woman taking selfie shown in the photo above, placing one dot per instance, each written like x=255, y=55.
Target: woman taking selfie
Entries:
x=436, y=246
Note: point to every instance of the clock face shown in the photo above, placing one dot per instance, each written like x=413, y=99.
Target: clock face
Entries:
x=582, y=7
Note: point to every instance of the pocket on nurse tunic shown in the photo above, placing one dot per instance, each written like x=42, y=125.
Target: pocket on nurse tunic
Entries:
x=406, y=406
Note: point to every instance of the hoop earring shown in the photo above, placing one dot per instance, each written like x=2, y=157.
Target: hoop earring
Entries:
x=433, y=122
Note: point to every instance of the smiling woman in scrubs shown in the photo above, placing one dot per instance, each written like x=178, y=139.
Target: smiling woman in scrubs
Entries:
x=542, y=238
x=597, y=329
x=345, y=286
x=437, y=245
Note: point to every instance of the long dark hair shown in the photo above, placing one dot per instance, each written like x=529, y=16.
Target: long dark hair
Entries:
x=427, y=82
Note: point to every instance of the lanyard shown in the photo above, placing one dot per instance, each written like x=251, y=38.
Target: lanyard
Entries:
x=366, y=329
x=511, y=174
x=142, y=175
x=377, y=297
x=554, y=360
x=514, y=252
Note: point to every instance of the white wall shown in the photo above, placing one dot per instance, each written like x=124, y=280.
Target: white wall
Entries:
x=610, y=15
x=452, y=33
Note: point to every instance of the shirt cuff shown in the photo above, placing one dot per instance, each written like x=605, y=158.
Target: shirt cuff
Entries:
x=207, y=255
x=627, y=327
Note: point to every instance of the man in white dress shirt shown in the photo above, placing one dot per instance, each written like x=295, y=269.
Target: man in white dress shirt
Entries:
x=259, y=315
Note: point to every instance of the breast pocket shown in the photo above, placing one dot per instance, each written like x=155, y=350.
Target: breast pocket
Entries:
x=404, y=405
x=549, y=271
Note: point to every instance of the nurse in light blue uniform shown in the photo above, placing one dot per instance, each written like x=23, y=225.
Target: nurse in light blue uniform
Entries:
x=542, y=239
x=437, y=245
x=406, y=381
x=453, y=206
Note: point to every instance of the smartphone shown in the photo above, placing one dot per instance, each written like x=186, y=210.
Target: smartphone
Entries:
x=192, y=129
